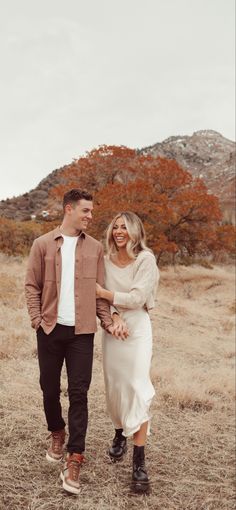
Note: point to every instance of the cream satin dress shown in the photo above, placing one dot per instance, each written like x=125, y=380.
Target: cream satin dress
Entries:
x=126, y=364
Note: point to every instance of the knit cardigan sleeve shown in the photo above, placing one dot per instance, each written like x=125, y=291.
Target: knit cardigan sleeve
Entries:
x=145, y=280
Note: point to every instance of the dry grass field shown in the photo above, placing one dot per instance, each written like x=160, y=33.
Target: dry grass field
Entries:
x=190, y=453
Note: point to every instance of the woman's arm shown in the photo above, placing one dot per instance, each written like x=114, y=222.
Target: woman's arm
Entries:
x=104, y=293
x=145, y=279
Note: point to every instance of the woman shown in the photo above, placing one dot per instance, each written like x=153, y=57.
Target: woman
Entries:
x=131, y=280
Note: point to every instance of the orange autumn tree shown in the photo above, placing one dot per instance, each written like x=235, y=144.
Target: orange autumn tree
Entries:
x=16, y=237
x=107, y=164
x=179, y=214
x=184, y=223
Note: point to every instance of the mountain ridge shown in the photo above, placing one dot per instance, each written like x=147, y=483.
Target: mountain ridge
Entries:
x=205, y=154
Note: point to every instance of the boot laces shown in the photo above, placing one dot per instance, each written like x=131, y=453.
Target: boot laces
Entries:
x=118, y=439
x=140, y=465
x=57, y=441
x=74, y=467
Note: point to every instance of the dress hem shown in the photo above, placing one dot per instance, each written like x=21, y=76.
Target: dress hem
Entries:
x=136, y=429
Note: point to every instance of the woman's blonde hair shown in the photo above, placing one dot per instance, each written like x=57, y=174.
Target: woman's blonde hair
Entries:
x=136, y=232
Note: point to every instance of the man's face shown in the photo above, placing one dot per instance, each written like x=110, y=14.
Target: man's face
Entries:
x=80, y=214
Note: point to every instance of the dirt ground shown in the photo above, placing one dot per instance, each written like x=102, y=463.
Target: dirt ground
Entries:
x=190, y=453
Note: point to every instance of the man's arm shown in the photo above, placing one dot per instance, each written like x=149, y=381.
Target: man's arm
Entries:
x=109, y=317
x=102, y=306
x=34, y=285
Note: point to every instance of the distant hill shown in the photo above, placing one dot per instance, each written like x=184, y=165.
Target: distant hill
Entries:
x=34, y=202
x=205, y=154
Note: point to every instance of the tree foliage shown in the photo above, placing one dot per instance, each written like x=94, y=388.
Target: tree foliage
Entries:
x=16, y=237
x=179, y=214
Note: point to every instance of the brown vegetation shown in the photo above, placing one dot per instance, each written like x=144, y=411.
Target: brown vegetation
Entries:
x=190, y=453
x=205, y=154
x=16, y=237
x=179, y=214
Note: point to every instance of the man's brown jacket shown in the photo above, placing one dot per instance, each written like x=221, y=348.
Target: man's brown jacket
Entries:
x=43, y=283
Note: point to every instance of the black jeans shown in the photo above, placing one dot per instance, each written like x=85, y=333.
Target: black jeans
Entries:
x=77, y=351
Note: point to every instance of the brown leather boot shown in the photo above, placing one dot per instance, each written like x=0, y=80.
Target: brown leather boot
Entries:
x=56, y=449
x=71, y=471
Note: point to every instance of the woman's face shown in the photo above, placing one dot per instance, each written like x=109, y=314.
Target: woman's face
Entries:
x=120, y=234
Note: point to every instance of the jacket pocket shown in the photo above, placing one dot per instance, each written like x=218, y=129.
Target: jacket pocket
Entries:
x=89, y=267
x=50, y=272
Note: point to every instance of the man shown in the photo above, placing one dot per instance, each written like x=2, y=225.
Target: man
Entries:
x=64, y=266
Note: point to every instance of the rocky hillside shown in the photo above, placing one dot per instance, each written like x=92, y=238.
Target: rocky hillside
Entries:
x=206, y=154
x=32, y=203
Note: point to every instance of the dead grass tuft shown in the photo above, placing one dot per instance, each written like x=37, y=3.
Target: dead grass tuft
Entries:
x=228, y=326
x=185, y=401
x=230, y=354
x=232, y=307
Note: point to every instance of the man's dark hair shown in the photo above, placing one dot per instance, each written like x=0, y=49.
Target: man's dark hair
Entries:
x=74, y=195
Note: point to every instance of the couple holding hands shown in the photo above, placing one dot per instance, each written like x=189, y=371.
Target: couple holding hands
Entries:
x=68, y=283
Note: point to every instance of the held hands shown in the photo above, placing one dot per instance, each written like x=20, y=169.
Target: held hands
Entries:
x=119, y=328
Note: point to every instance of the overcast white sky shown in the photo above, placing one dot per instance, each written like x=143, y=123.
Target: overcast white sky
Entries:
x=76, y=74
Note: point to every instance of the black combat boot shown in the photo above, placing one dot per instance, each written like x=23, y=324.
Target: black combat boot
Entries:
x=119, y=446
x=140, y=481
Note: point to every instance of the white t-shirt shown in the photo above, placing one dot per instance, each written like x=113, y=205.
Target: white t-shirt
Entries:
x=66, y=305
